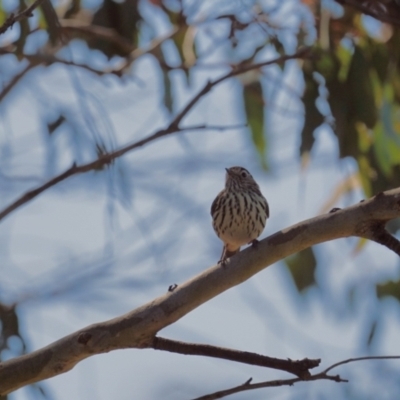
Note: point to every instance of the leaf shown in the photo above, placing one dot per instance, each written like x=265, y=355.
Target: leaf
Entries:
x=372, y=333
x=389, y=289
x=366, y=173
x=74, y=8
x=124, y=18
x=381, y=149
x=3, y=14
x=168, y=100
x=343, y=125
x=313, y=118
x=254, y=107
x=52, y=126
x=360, y=90
x=343, y=54
x=361, y=243
x=302, y=267
x=380, y=59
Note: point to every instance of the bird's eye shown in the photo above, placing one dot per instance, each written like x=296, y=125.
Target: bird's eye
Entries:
x=244, y=174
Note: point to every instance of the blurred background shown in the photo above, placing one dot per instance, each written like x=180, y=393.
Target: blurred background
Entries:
x=80, y=79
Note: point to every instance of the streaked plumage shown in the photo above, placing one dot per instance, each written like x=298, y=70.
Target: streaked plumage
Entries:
x=239, y=212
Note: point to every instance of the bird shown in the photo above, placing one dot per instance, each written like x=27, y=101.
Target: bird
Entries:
x=239, y=212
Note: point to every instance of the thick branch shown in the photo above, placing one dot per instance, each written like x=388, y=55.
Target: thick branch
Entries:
x=137, y=328
x=299, y=368
x=173, y=127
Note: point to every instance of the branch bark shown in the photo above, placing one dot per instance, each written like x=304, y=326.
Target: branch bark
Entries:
x=138, y=328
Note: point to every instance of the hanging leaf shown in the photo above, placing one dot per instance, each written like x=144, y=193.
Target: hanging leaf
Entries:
x=360, y=91
x=168, y=100
x=254, y=107
x=366, y=174
x=380, y=59
x=124, y=18
x=74, y=8
x=302, y=267
x=343, y=125
x=313, y=118
x=361, y=243
x=52, y=126
x=372, y=333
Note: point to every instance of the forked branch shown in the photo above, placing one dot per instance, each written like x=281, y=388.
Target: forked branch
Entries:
x=290, y=382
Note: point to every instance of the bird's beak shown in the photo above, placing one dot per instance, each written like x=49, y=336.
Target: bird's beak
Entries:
x=228, y=171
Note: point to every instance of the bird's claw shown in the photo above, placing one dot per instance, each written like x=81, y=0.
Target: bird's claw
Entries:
x=254, y=243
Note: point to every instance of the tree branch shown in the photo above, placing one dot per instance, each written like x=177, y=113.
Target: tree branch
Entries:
x=103, y=160
x=299, y=368
x=173, y=127
x=290, y=382
x=137, y=328
x=13, y=18
x=15, y=80
x=350, y=360
x=381, y=10
x=275, y=383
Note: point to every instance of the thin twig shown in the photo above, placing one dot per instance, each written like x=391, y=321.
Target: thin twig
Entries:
x=173, y=127
x=350, y=360
x=103, y=160
x=289, y=382
x=275, y=383
x=300, y=368
x=13, y=18
x=15, y=80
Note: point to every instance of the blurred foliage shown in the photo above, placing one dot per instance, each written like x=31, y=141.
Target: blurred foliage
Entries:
x=360, y=73
x=254, y=107
x=389, y=289
x=302, y=268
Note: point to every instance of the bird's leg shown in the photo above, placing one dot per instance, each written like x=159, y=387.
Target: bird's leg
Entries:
x=226, y=255
x=224, y=258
